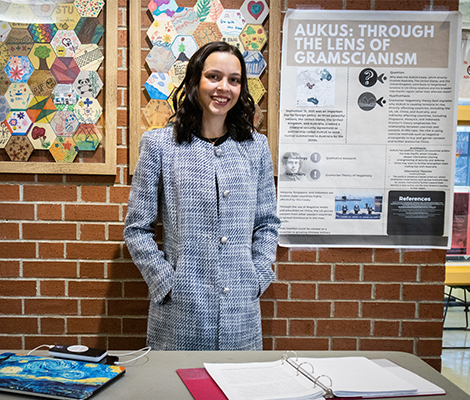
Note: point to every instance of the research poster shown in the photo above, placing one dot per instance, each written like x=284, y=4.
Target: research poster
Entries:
x=368, y=115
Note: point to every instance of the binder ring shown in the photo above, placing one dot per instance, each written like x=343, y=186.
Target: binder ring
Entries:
x=285, y=356
x=300, y=365
x=323, y=376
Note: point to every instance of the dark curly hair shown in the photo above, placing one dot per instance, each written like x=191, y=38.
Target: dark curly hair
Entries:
x=187, y=118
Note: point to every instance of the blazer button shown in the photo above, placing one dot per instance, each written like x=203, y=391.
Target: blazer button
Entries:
x=223, y=240
x=226, y=193
x=225, y=290
x=218, y=152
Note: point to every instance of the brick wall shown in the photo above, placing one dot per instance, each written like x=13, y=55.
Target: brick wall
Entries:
x=66, y=276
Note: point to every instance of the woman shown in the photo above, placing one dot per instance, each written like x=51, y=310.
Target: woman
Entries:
x=211, y=178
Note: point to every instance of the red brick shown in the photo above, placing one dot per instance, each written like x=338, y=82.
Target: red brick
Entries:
x=17, y=288
x=303, y=309
x=387, y=255
x=115, y=231
x=343, y=344
x=18, y=325
x=10, y=306
x=126, y=342
x=338, y=255
x=92, y=232
x=51, y=250
x=431, y=310
x=91, y=325
x=305, y=291
x=49, y=269
x=95, y=251
x=344, y=291
x=17, y=177
x=50, y=178
x=346, y=309
x=94, y=194
x=386, y=328
x=276, y=290
x=433, y=362
x=44, y=231
x=287, y=343
x=282, y=254
x=424, y=256
x=52, y=193
x=423, y=292
x=343, y=327
x=135, y=289
x=347, y=273
x=49, y=212
x=92, y=270
x=429, y=347
x=52, y=288
x=267, y=309
x=93, y=307
x=304, y=255
x=91, y=212
x=388, y=310
x=390, y=273
x=9, y=231
x=85, y=288
x=11, y=342
x=9, y=269
x=304, y=272
x=135, y=326
x=128, y=307
x=373, y=344
x=52, y=326
x=387, y=291
x=50, y=307
x=302, y=327
x=422, y=329
x=432, y=273
x=16, y=211
x=9, y=193
x=32, y=342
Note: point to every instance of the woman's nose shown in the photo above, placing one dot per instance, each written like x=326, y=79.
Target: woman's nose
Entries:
x=223, y=84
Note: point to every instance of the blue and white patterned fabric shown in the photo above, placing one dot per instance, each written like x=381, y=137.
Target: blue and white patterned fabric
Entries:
x=218, y=208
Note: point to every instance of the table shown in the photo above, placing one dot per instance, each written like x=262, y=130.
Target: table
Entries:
x=154, y=376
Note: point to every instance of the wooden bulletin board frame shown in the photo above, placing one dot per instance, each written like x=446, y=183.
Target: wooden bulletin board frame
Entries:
x=108, y=167
x=135, y=67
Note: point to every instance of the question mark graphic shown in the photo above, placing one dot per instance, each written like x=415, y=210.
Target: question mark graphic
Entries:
x=368, y=75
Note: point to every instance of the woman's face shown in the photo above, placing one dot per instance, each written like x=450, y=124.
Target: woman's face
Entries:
x=220, y=84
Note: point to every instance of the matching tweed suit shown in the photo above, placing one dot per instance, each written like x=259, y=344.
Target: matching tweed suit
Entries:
x=218, y=208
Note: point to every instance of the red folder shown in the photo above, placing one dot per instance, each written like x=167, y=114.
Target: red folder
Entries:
x=200, y=384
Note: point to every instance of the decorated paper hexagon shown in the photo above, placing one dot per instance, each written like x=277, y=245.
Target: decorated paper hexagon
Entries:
x=42, y=56
x=231, y=22
x=183, y=47
x=19, y=42
x=4, y=108
x=64, y=95
x=254, y=12
x=65, y=16
x=159, y=86
x=65, y=70
x=258, y=118
x=41, y=109
x=88, y=84
x=161, y=33
x=160, y=59
x=5, y=29
x=207, y=32
x=42, y=82
x=3, y=8
x=65, y=43
x=89, y=8
x=162, y=9
x=19, y=12
x=87, y=137
x=234, y=41
x=4, y=55
x=208, y=10
x=87, y=110
x=88, y=57
x=19, y=69
x=41, y=136
x=157, y=112
x=89, y=30
x=18, y=122
x=42, y=33
x=177, y=72
x=19, y=148
x=256, y=89
x=4, y=82
x=185, y=21
x=18, y=96
x=5, y=135
x=64, y=149
x=253, y=37
x=43, y=11
x=64, y=123
x=255, y=63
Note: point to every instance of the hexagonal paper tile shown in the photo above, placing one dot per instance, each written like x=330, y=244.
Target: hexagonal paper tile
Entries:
x=19, y=148
x=254, y=12
x=42, y=56
x=231, y=22
x=183, y=47
x=41, y=136
x=19, y=42
x=19, y=12
x=18, y=96
x=65, y=16
x=87, y=137
x=234, y=41
x=43, y=12
x=42, y=83
x=4, y=55
x=208, y=10
x=185, y=21
x=64, y=123
x=64, y=149
x=41, y=109
x=65, y=70
x=65, y=43
x=159, y=86
x=161, y=33
x=255, y=63
x=88, y=84
x=258, y=116
x=5, y=135
x=256, y=89
x=88, y=57
x=160, y=59
x=89, y=30
x=177, y=72
x=19, y=69
x=207, y=32
x=162, y=9
x=253, y=37
x=87, y=110
x=89, y=8
x=5, y=29
x=4, y=108
x=64, y=96
x=157, y=112
x=18, y=122
x=42, y=33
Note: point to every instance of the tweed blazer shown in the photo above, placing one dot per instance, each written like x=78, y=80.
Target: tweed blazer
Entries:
x=218, y=208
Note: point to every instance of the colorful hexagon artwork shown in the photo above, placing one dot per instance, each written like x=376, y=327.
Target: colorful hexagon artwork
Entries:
x=234, y=41
x=207, y=32
x=161, y=33
x=4, y=82
x=253, y=37
x=159, y=86
x=177, y=72
x=89, y=30
x=42, y=33
x=19, y=42
x=88, y=84
x=255, y=63
x=65, y=43
x=185, y=21
x=256, y=89
x=208, y=10
x=42, y=82
x=42, y=56
x=19, y=148
x=65, y=69
x=5, y=135
x=64, y=149
x=5, y=29
x=160, y=59
x=87, y=110
x=89, y=8
x=87, y=137
x=162, y=9
x=65, y=16
x=18, y=122
x=41, y=109
x=4, y=108
x=19, y=12
x=231, y=22
x=41, y=136
x=183, y=47
x=157, y=113
x=64, y=97
x=4, y=55
x=64, y=123
x=43, y=11
x=88, y=57
x=18, y=96
x=19, y=69
x=254, y=12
